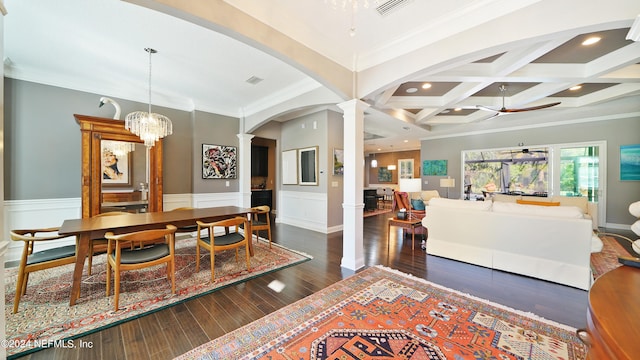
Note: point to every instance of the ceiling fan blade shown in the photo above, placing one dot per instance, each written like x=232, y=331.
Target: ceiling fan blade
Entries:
x=530, y=108
x=485, y=108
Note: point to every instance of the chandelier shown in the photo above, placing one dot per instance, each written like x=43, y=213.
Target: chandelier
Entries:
x=150, y=127
x=118, y=148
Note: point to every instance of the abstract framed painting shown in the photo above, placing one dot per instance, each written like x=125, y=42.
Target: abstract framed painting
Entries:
x=434, y=167
x=630, y=162
x=219, y=162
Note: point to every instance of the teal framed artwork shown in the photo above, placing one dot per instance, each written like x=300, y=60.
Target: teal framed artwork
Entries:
x=384, y=175
x=630, y=162
x=434, y=167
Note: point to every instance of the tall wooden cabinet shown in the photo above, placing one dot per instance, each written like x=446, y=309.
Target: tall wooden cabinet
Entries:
x=93, y=130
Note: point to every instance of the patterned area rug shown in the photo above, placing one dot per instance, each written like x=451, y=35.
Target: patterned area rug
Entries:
x=607, y=259
x=384, y=314
x=45, y=314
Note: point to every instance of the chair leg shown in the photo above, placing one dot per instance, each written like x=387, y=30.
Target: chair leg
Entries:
x=246, y=251
x=108, y=276
x=116, y=287
x=90, y=260
x=197, y=257
x=20, y=289
x=24, y=283
x=213, y=261
x=269, y=235
x=172, y=265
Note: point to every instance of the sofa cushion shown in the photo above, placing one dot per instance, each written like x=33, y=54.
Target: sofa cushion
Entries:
x=461, y=204
x=539, y=203
x=427, y=195
x=578, y=201
x=506, y=198
x=417, y=204
x=551, y=211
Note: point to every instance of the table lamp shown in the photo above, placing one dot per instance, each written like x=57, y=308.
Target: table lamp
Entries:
x=410, y=186
x=448, y=183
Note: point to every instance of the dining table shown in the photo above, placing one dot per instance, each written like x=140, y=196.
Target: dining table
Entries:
x=95, y=227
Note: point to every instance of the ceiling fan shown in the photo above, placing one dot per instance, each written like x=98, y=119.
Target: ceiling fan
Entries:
x=504, y=110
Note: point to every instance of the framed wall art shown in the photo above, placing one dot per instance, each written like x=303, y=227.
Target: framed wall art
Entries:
x=219, y=162
x=434, y=167
x=338, y=162
x=630, y=162
x=290, y=167
x=117, y=170
x=384, y=175
x=308, y=166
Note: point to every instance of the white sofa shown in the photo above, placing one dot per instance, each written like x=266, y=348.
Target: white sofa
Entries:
x=549, y=243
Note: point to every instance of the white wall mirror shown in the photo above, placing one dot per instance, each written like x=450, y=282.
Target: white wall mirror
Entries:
x=308, y=165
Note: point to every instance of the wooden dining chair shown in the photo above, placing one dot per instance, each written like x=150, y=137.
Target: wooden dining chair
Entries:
x=120, y=256
x=100, y=244
x=232, y=239
x=32, y=260
x=261, y=220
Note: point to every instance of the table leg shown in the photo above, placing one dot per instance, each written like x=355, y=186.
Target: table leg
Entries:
x=250, y=234
x=413, y=237
x=82, y=249
x=388, y=238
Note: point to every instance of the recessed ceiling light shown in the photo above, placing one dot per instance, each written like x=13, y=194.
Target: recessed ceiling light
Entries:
x=445, y=111
x=379, y=149
x=406, y=141
x=457, y=109
x=411, y=90
x=426, y=86
x=590, y=41
x=574, y=88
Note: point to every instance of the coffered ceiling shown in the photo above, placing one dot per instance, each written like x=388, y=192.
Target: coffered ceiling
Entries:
x=464, y=49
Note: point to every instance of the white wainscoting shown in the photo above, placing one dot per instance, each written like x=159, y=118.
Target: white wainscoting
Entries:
x=41, y=213
x=303, y=209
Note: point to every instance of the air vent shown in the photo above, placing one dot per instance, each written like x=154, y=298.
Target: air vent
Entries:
x=254, y=80
x=388, y=6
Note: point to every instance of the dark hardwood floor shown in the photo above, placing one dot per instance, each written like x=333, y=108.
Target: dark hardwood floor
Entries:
x=173, y=331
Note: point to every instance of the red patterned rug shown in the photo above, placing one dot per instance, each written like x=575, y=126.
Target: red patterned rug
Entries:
x=607, y=259
x=45, y=315
x=381, y=313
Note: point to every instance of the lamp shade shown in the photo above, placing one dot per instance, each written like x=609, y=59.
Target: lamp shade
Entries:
x=448, y=182
x=410, y=185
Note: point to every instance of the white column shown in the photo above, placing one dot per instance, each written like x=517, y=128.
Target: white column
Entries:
x=244, y=169
x=353, y=205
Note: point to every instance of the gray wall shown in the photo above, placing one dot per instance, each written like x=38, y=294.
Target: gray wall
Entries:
x=335, y=194
x=299, y=133
x=212, y=129
x=42, y=142
x=615, y=132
